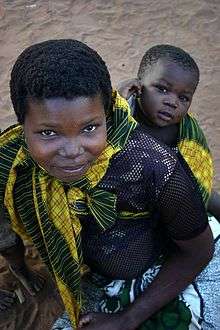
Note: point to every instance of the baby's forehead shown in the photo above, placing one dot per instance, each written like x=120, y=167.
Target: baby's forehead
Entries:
x=166, y=64
x=169, y=69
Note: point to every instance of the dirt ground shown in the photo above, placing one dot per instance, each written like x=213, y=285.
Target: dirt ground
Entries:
x=36, y=313
x=120, y=31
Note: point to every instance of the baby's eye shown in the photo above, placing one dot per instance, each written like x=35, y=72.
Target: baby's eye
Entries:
x=162, y=89
x=90, y=128
x=48, y=132
x=184, y=98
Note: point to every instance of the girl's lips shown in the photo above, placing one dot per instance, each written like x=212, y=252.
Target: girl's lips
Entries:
x=75, y=169
x=70, y=171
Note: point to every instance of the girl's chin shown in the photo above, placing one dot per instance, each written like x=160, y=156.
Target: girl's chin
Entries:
x=68, y=175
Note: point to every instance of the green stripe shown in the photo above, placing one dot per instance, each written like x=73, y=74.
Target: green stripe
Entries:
x=102, y=205
x=24, y=203
x=80, y=207
x=7, y=155
x=119, y=128
x=65, y=266
x=190, y=129
x=56, y=252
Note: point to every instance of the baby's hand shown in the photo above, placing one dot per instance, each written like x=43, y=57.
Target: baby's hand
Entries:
x=129, y=87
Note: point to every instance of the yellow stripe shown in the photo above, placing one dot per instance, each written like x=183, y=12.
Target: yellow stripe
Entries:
x=199, y=161
x=131, y=215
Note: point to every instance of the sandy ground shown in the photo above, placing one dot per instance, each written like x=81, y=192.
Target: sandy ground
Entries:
x=35, y=313
x=120, y=31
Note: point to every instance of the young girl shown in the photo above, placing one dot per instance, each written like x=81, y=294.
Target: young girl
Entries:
x=90, y=187
x=160, y=99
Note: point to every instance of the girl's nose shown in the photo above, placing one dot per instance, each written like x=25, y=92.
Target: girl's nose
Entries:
x=71, y=148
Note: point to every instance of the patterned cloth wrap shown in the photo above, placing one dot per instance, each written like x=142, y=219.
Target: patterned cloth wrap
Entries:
x=34, y=202
x=193, y=147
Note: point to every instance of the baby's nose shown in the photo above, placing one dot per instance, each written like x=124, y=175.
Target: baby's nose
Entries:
x=172, y=102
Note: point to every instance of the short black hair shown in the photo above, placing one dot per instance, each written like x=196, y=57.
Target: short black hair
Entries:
x=58, y=68
x=170, y=53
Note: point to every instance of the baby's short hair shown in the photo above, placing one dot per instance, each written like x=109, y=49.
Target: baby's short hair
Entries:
x=170, y=53
x=58, y=68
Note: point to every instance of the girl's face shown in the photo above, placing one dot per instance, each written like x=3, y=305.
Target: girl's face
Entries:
x=65, y=136
x=167, y=92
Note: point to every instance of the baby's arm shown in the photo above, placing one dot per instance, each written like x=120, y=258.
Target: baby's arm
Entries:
x=214, y=204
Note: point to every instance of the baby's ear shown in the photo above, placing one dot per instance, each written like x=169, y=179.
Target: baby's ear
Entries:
x=139, y=86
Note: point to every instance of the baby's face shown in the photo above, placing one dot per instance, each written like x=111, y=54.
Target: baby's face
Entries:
x=65, y=136
x=167, y=91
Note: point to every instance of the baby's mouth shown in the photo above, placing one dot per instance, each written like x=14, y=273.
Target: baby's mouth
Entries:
x=165, y=115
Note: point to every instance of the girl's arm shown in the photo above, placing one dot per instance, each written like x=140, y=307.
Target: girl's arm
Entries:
x=183, y=217
x=179, y=270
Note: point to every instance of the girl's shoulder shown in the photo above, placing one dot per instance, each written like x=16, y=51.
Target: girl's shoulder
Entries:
x=10, y=134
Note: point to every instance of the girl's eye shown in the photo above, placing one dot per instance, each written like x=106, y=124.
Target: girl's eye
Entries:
x=89, y=128
x=48, y=132
x=184, y=98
